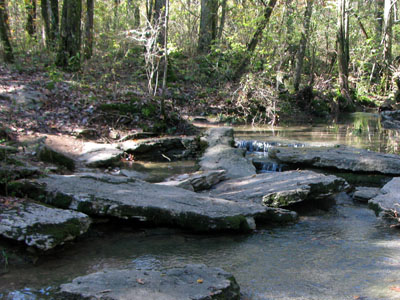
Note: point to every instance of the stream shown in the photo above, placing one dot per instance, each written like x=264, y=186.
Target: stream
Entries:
x=344, y=253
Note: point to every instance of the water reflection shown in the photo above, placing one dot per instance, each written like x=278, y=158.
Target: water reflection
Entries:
x=361, y=130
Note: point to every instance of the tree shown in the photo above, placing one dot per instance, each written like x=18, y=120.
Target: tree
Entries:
x=159, y=19
x=68, y=56
x=50, y=18
x=5, y=33
x=251, y=46
x=343, y=49
x=222, y=19
x=303, y=44
x=89, y=29
x=208, y=25
x=387, y=33
x=30, y=6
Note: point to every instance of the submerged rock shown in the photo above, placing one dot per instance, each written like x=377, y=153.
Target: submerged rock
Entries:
x=221, y=155
x=159, y=205
x=190, y=282
x=40, y=226
x=198, y=181
x=387, y=202
x=341, y=158
x=363, y=194
x=281, y=189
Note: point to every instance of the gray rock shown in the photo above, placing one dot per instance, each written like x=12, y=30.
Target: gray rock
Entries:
x=198, y=181
x=159, y=149
x=363, y=194
x=190, y=282
x=40, y=226
x=340, y=157
x=134, y=174
x=159, y=205
x=220, y=154
x=391, y=119
x=280, y=189
x=100, y=155
x=50, y=155
x=387, y=203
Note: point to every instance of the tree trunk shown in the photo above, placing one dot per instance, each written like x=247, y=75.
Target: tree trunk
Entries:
x=164, y=82
x=208, y=25
x=44, y=4
x=343, y=49
x=116, y=18
x=136, y=12
x=149, y=10
x=303, y=44
x=54, y=21
x=89, y=29
x=159, y=19
x=222, y=19
x=387, y=33
x=30, y=6
x=5, y=33
x=255, y=39
x=68, y=56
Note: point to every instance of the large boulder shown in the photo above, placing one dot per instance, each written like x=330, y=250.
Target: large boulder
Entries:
x=101, y=195
x=387, y=202
x=40, y=226
x=190, y=282
x=340, y=157
x=100, y=155
x=363, y=193
x=221, y=155
x=281, y=189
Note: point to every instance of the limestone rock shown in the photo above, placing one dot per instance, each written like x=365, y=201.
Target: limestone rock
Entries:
x=100, y=155
x=220, y=154
x=190, y=282
x=50, y=155
x=155, y=204
x=388, y=200
x=363, y=194
x=40, y=226
x=198, y=181
x=390, y=119
x=341, y=158
x=280, y=189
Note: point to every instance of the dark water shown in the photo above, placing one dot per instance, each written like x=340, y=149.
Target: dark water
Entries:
x=345, y=253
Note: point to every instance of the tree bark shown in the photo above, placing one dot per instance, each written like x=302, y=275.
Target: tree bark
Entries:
x=89, y=29
x=49, y=10
x=5, y=33
x=159, y=19
x=54, y=21
x=387, y=33
x=343, y=49
x=208, y=25
x=68, y=56
x=303, y=44
x=255, y=39
x=46, y=20
x=30, y=6
x=222, y=20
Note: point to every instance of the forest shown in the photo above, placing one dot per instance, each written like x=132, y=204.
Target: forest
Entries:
x=254, y=62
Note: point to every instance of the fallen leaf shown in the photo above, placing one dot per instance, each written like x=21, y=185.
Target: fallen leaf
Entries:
x=200, y=280
x=140, y=281
x=395, y=288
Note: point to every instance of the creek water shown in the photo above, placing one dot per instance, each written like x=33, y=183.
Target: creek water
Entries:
x=343, y=253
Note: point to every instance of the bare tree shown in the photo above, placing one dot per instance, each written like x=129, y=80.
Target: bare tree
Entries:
x=208, y=25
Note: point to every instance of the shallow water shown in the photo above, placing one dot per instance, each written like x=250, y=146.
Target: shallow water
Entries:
x=346, y=253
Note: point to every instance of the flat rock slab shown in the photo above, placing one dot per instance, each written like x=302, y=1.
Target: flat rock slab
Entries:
x=363, y=194
x=40, y=226
x=159, y=205
x=190, y=282
x=280, y=189
x=341, y=158
x=198, y=181
x=221, y=155
x=100, y=155
x=388, y=200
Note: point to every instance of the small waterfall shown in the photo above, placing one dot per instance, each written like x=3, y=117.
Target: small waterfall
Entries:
x=270, y=167
x=258, y=146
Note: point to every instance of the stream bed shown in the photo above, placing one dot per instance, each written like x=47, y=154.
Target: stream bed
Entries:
x=343, y=253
